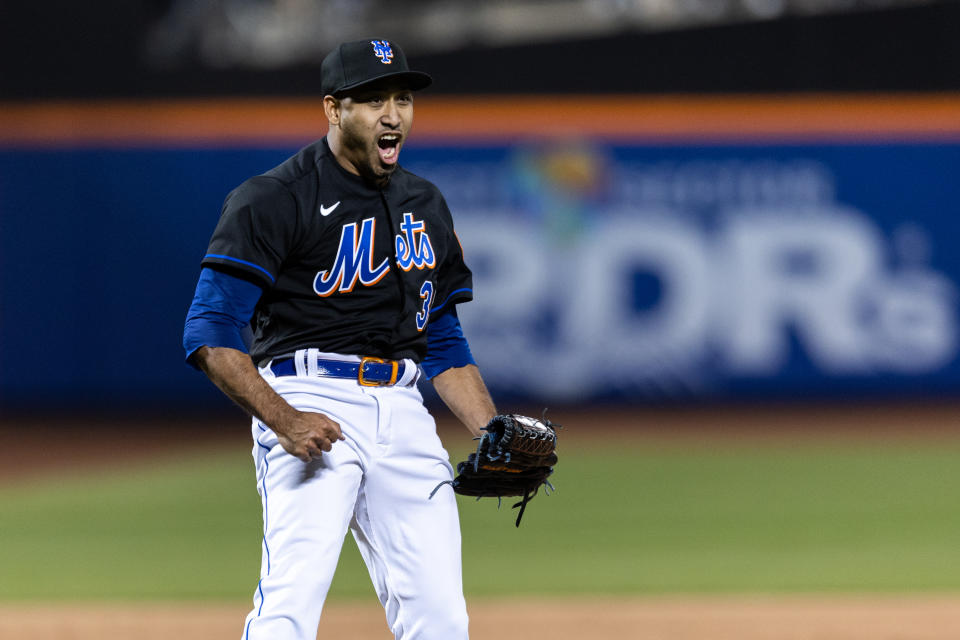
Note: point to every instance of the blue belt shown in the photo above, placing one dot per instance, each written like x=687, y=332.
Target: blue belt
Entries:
x=369, y=372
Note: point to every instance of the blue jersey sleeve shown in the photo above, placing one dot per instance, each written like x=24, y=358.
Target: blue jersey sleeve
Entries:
x=222, y=306
x=446, y=345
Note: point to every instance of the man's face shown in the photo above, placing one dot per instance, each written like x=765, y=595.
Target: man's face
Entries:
x=374, y=122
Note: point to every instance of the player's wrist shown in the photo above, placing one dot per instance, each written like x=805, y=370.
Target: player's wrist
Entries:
x=276, y=413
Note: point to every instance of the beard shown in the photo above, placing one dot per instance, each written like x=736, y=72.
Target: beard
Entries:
x=364, y=155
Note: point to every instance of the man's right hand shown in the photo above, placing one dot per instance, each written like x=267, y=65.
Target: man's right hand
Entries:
x=307, y=435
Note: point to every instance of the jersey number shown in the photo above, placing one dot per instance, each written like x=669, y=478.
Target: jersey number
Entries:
x=426, y=294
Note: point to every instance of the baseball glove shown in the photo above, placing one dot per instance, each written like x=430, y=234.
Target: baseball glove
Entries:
x=515, y=457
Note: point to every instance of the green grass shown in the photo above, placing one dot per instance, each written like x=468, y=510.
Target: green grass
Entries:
x=661, y=519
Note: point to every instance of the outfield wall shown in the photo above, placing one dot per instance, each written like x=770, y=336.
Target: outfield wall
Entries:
x=642, y=249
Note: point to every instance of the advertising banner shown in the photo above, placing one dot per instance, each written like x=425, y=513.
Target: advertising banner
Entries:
x=605, y=270
x=645, y=267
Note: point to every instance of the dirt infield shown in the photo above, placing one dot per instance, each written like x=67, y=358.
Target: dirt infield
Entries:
x=761, y=618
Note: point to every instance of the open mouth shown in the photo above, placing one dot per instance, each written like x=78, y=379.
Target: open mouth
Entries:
x=389, y=147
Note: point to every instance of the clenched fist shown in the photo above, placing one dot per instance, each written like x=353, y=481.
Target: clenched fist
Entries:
x=307, y=435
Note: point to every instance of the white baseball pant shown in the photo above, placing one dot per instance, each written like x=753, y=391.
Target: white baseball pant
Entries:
x=377, y=483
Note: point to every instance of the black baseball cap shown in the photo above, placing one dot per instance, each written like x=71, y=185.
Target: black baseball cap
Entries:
x=354, y=64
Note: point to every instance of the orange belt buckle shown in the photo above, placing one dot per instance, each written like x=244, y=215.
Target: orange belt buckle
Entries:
x=374, y=383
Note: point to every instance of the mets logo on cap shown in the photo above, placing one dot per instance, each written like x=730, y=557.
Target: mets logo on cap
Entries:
x=381, y=49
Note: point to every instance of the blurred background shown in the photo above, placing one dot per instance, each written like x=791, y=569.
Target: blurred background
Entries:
x=734, y=199
x=736, y=214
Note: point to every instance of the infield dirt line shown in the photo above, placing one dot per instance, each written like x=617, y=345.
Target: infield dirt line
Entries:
x=820, y=617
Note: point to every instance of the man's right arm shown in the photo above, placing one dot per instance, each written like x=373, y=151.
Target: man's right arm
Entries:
x=222, y=306
x=302, y=434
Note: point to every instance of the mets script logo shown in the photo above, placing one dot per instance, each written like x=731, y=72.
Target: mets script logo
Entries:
x=413, y=245
x=354, y=260
x=381, y=49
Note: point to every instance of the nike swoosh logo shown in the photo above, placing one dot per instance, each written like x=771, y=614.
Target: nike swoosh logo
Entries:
x=325, y=211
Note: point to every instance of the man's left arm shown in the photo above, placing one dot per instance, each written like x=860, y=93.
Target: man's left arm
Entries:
x=449, y=365
x=462, y=389
x=516, y=453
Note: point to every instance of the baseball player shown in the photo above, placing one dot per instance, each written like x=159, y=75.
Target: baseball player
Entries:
x=349, y=271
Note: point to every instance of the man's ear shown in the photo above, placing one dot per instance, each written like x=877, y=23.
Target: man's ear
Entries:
x=331, y=108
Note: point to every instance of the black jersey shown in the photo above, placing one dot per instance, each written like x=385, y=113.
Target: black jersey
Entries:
x=345, y=267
